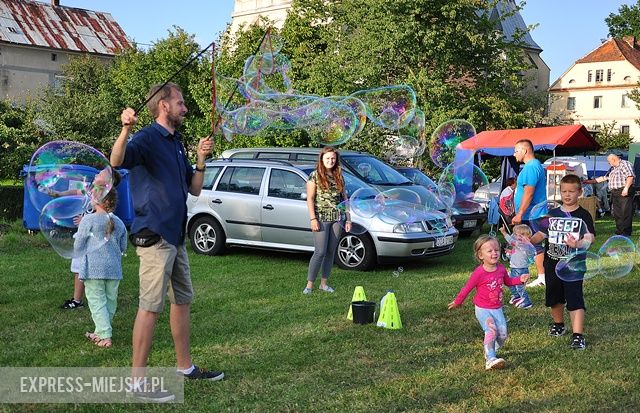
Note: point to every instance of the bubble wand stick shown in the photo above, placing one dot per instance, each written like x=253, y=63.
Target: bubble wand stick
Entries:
x=216, y=124
x=184, y=66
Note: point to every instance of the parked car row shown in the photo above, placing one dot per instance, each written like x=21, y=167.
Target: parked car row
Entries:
x=262, y=204
x=371, y=170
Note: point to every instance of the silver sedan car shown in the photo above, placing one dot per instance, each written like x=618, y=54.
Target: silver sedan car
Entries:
x=262, y=204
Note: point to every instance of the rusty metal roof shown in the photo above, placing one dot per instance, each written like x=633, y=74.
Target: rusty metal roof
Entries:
x=32, y=23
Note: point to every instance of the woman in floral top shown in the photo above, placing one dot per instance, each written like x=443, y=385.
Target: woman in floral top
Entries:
x=325, y=191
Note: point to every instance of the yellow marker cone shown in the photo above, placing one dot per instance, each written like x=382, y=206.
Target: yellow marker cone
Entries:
x=358, y=295
x=389, y=313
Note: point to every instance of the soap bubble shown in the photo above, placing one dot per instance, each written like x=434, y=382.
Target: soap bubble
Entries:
x=61, y=168
x=366, y=202
x=539, y=215
x=445, y=139
x=390, y=107
x=617, y=257
x=580, y=266
x=59, y=224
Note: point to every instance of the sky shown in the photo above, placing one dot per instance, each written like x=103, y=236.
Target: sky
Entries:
x=567, y=29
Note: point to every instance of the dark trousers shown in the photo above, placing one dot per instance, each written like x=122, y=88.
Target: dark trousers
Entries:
x=622, y=211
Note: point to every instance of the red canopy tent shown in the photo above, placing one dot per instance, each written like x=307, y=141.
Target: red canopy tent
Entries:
x=561, y=140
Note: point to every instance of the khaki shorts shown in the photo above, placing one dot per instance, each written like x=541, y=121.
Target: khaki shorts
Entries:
x=164, y=270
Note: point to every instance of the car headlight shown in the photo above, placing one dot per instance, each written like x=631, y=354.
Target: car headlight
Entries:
x=449, y=222
x=409, y=227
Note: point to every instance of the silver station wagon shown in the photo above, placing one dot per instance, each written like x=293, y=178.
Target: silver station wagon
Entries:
x=262, y=204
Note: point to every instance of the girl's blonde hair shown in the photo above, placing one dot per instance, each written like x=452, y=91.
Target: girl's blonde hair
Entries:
x=109, y=203
x=482, y=239
x=522, y=229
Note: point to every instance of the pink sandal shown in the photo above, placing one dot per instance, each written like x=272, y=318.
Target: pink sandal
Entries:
x=105, y=343
x=93, y=337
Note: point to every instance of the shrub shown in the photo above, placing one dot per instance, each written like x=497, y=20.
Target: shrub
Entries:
x=11, y=202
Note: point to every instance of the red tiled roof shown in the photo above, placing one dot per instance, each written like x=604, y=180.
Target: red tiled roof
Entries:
x=33, y=23
x=615, y=50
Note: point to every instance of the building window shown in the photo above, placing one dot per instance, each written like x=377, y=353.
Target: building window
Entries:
x=609, y=73
x=597, y=102
x=589, y=76
x=626, y=101
x=12, y=29
x=572, y=81
x=54, y=57
x=571, y=103
x=58, y=84
x=599, y=75
x=624, y=129
x=627, y=79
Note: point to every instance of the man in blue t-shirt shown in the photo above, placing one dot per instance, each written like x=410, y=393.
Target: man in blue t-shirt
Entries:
x=531, y=191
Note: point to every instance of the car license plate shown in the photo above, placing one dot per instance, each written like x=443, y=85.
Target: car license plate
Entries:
x=470, y=224
x=441, y=242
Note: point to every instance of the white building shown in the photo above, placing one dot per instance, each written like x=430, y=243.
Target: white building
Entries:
x=595, y=89
x=37, y=39
x=248, y=12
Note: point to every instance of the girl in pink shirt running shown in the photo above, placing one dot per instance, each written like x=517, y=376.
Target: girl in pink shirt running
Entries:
x=488, y=279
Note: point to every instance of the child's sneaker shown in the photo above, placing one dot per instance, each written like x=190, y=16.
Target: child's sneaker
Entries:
x=525, y=306
x=307, y=291
x=578, y=342
x=557, y=330
x=72, y=304
x=518, y=302
x=513, y=299
x=495, y=364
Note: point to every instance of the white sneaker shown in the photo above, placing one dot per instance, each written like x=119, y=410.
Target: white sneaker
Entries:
x=495, y=364
x=537, y=282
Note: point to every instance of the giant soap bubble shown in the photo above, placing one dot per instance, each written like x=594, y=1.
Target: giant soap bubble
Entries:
x=67, y=168
x=64, y=180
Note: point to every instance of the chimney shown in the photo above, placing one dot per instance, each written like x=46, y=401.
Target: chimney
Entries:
x=55, y=3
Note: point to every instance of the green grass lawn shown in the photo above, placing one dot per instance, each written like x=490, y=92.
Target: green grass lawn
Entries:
x=283, y=351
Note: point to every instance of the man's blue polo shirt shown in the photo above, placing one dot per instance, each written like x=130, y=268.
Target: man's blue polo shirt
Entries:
x=160, y=176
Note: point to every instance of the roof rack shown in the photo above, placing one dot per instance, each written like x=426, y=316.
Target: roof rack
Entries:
x=237, y=160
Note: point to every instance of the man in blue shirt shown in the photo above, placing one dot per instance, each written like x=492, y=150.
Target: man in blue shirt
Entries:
x=161, y=176
x=531, y=191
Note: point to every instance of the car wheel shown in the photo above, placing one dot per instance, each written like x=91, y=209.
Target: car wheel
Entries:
x=207, y=236
x=356, y=252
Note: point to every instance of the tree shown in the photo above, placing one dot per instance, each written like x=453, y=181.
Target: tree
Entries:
x=87, y=107
x=448, y=51
x=20, y=135
x=609, y=137
x=626, y=22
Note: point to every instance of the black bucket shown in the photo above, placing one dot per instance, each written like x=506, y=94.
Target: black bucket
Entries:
x=363, y=311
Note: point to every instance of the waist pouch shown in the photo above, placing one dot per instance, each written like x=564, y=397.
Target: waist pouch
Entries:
x=144, y=238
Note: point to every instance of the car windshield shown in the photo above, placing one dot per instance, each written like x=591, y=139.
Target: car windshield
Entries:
x=352, y=182
x=418, y=177
x=374, y=171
